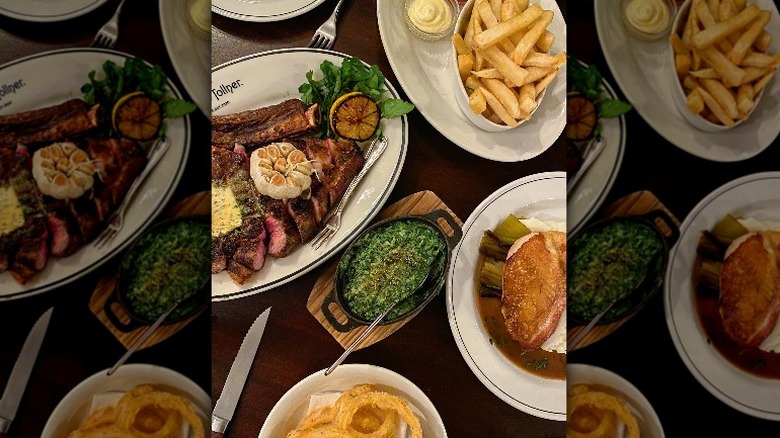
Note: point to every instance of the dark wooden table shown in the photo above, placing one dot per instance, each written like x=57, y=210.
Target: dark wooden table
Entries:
x=295, y=344
x=642, y=350
x=76, y=344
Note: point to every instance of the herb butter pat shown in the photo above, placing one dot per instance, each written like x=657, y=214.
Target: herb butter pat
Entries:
x=11, y=212
x=226, y=214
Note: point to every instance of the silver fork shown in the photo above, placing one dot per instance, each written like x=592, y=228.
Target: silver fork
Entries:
x=333, y=221
x=107, y=35
x=326, y=34
x=156, y=152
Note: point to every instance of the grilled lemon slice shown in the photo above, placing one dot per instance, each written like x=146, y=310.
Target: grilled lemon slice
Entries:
x=354, y=116
x=581, y=117
x=137, y=116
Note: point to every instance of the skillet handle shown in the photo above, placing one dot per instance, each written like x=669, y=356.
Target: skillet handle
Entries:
x=341, y=328
x=671, y=239
x=457, y=232
x=124, y=328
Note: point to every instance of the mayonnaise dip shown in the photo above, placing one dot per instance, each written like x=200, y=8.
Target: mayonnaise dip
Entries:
x=648, y=16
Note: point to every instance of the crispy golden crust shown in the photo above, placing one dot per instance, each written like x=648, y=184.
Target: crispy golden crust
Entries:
x=534, y=288
x=750, y=289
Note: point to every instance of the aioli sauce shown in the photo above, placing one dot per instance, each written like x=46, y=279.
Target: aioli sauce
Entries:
x=430, y=16
x=648, y=16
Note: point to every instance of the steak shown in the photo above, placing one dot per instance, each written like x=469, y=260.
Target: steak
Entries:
x=254, y=127
x=50, y=124
x=336, y=162
x=24, y=249
x=240, y=251
x=750, y=288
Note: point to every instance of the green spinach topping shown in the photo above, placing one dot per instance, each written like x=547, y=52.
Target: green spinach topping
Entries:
x=606, y=262
x=387, y=263
x=166, y=266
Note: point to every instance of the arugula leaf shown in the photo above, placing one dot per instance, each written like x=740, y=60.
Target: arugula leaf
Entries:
x=587, y=81
x=394, y=108
x=609, y=108
x=351, y=75
x=134, y=75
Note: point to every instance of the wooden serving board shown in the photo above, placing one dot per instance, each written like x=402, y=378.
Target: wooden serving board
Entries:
x=633, y=204
x=195, y=205
x=415, y=204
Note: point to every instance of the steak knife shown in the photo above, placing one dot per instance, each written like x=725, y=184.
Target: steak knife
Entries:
x=20, y=373
x=239, y=370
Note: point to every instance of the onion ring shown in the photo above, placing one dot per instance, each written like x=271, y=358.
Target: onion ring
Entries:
x=602, y=402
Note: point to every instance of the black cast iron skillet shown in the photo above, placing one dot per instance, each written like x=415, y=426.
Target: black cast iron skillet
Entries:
x=354, y=321
x=654, y=278
x=197, y=302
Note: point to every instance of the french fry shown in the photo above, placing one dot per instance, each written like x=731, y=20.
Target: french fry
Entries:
x=682, y=64
x=705, y=73
x=543, y=60
x=490, y=73
x=726, y=10
x=753, y=74
x=745, y=96
x=715, y=107
x=761, y=83
x=740, y=4
x=761, y=60
x=719, y=31
x=545, y=42
x=708, y=21
x=714, y=5
x=694, y=102
x=521, y=5
x=745, y=42
x=527, y=104
x=732, y=75
x=725, y=99
x=509, y=9
x=465, y=64
x=677, y=45
x=460, y=45
x=477, y=102
x=495, y=34
x=537, y=73
x=542, y=84
x=472, y=83
x=691, y=26
x=504, y=64
x=529, y=90
x=529, y=39
x=763, y=42
x=498, y=108
x=690, y=82
x=495, y=5
x=504, y=94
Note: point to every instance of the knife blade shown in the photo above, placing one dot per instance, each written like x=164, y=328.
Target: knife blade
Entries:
x=20, y=373
x=239, y=370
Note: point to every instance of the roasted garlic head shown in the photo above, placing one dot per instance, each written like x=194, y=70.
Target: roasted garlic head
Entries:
x=280, y=171
x=63, y=171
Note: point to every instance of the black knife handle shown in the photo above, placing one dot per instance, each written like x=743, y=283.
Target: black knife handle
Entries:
x=213, y=434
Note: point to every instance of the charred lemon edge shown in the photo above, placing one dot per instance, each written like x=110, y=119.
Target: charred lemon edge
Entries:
x=122, y=102
x=343, y=99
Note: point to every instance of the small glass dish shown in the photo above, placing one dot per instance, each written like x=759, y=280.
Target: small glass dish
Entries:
x=647, y=12
x=440, y=14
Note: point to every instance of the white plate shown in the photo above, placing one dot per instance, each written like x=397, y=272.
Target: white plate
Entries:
x=649, y=423
x=72, y=67
x=543, y=196
x=588, y=195
x=292, y=407
x=268, y=78
x=74, y=407
x=263, y=10
x=643, y=72
x=54, y=10
x=190, y=54
x=755, y=196
x=422, y=69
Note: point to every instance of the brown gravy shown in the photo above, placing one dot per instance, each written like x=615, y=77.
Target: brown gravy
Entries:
x=538, y=362
x=753, y=361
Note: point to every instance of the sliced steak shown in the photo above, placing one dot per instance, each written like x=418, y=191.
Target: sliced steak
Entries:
x=264, y=125
x=283, y=235
x=302, y=212
x=241, y=251
x=50, y=124
x=26, y=248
